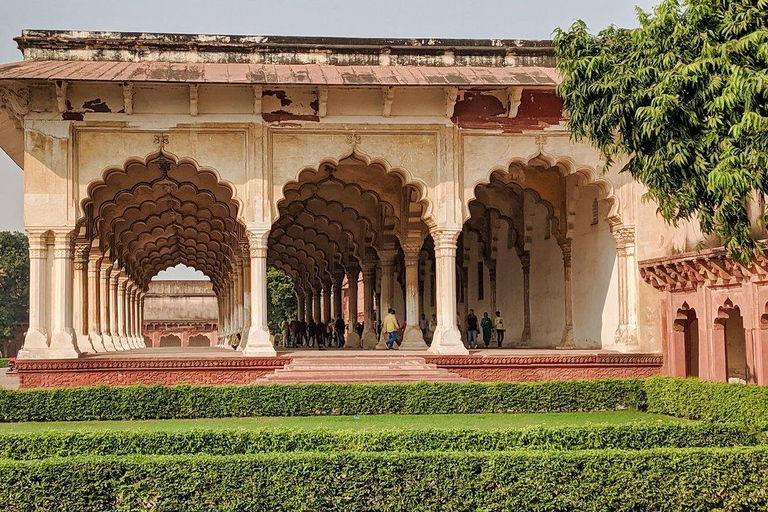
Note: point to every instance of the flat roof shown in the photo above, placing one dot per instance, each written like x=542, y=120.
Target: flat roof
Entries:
x=74, y=39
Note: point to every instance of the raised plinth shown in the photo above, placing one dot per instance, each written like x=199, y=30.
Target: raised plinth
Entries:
x=214, y=366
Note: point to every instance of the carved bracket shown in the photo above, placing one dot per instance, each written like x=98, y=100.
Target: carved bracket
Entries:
x=15, y=102
x=451, y=94
x=388, y=97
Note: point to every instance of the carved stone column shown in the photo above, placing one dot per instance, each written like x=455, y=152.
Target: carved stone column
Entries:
x=337, y=284
x=300, y=303
x=327, y=288
x=105, y=305
x=387, y=260
x=491, y=264
x=353, y=338
x=317, y=303
x=80, y=297
x=308, y=313
x=36, y=339
x=129, y=314
x=256, y=341
x=525, y=337
x=94, y=303
x=246, y=280
x=122, y=307
x=567, y=341
x=413, y=338
x=63, y=344
x=239, y=297
x=369, y=288
x=626, y=333
x=141, y=317
x=114, y=326
x=447, y=338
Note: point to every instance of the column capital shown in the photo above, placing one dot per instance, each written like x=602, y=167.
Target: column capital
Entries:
x=446, y=237
x=624, y=234
x=387, y=256
x=352, y=272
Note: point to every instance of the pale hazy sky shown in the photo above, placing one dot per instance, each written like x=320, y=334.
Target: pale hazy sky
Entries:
x=503, y=19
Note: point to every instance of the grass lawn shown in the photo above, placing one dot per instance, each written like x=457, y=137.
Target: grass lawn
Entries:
x=441, y=421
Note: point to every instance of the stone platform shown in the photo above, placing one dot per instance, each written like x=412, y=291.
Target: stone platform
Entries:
x=218, y=366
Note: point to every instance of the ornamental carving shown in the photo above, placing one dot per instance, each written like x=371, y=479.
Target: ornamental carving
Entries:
x=712, y=267
x=624, y=235
x=16, y=103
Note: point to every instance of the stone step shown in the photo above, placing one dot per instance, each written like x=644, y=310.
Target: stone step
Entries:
x=359, y=370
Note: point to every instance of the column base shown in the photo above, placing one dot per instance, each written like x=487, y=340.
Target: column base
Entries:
x=124, y=343
x=63, y=346
x=447, y=341
x=525, y=338
x=109, y=344
x=256, y=343
x=84, y=345
x=625, y=340
x=96, y=342
x=35, y=346
x=567, y=342
x=413, y=339
x=369, y=339
x=353, y=341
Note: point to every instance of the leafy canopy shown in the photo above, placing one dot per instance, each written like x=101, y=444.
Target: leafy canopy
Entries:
x=282, y=306
x=685, y=99
x=14, y=282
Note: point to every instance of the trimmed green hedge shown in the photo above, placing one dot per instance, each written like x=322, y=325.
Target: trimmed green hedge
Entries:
x=4, y=361
x=711, y=401
x=184, y=401
x=665, y=479
x=233, y=442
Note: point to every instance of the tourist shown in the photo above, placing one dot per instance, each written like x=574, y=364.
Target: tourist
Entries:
x=498, y=324
x=424, y=325
x=293, y=327
x=339, y=327
x=390, y=326
x=320, y=334
x=487, y=326
x=472, y=329
x=360, y=328
x=311, y=329
x=432, y=327
x=303, y=333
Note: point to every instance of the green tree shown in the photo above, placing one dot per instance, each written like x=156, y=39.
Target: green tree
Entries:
x=14, y=284
x=282, y=305
x=685, y=99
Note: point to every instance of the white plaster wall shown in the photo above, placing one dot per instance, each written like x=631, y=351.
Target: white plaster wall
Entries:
x=595, y=275
x=547, y=282
x=509, y=287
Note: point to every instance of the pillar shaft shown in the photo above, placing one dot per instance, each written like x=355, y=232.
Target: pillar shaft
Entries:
x=369, y=289
x=256, y=338
x=327, y=288
x=94, y=303
x=525, y=337
x=567, y=340
x=353, y=338
x=36, y=339
x=317, y=304
x=447, y=338
x=626, y=333
x=413, y=338
x=105, y=305
x=62, y=338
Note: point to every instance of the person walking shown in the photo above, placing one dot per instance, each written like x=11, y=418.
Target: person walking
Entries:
x=389, y=326
x=487, y=326
x=498, y=324
x=339, y=328
x=472, y=329
x=432, y=327
x=311, y=329
x=424, y=326
x=320, y=334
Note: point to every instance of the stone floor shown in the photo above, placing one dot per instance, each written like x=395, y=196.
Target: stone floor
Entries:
x=201, y=352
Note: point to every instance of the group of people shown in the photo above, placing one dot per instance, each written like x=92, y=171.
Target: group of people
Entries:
x=325, y=334
x=487, y=325
x=317, y=334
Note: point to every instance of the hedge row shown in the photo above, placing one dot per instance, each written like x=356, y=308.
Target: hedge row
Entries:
x=713, y=401
x=4, y=361
x=234, y=442
x=666, y=479
x=184, y=401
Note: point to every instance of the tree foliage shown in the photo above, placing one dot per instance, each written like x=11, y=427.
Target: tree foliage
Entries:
x=14, y=282
x=685, y=99
x=282, y=300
